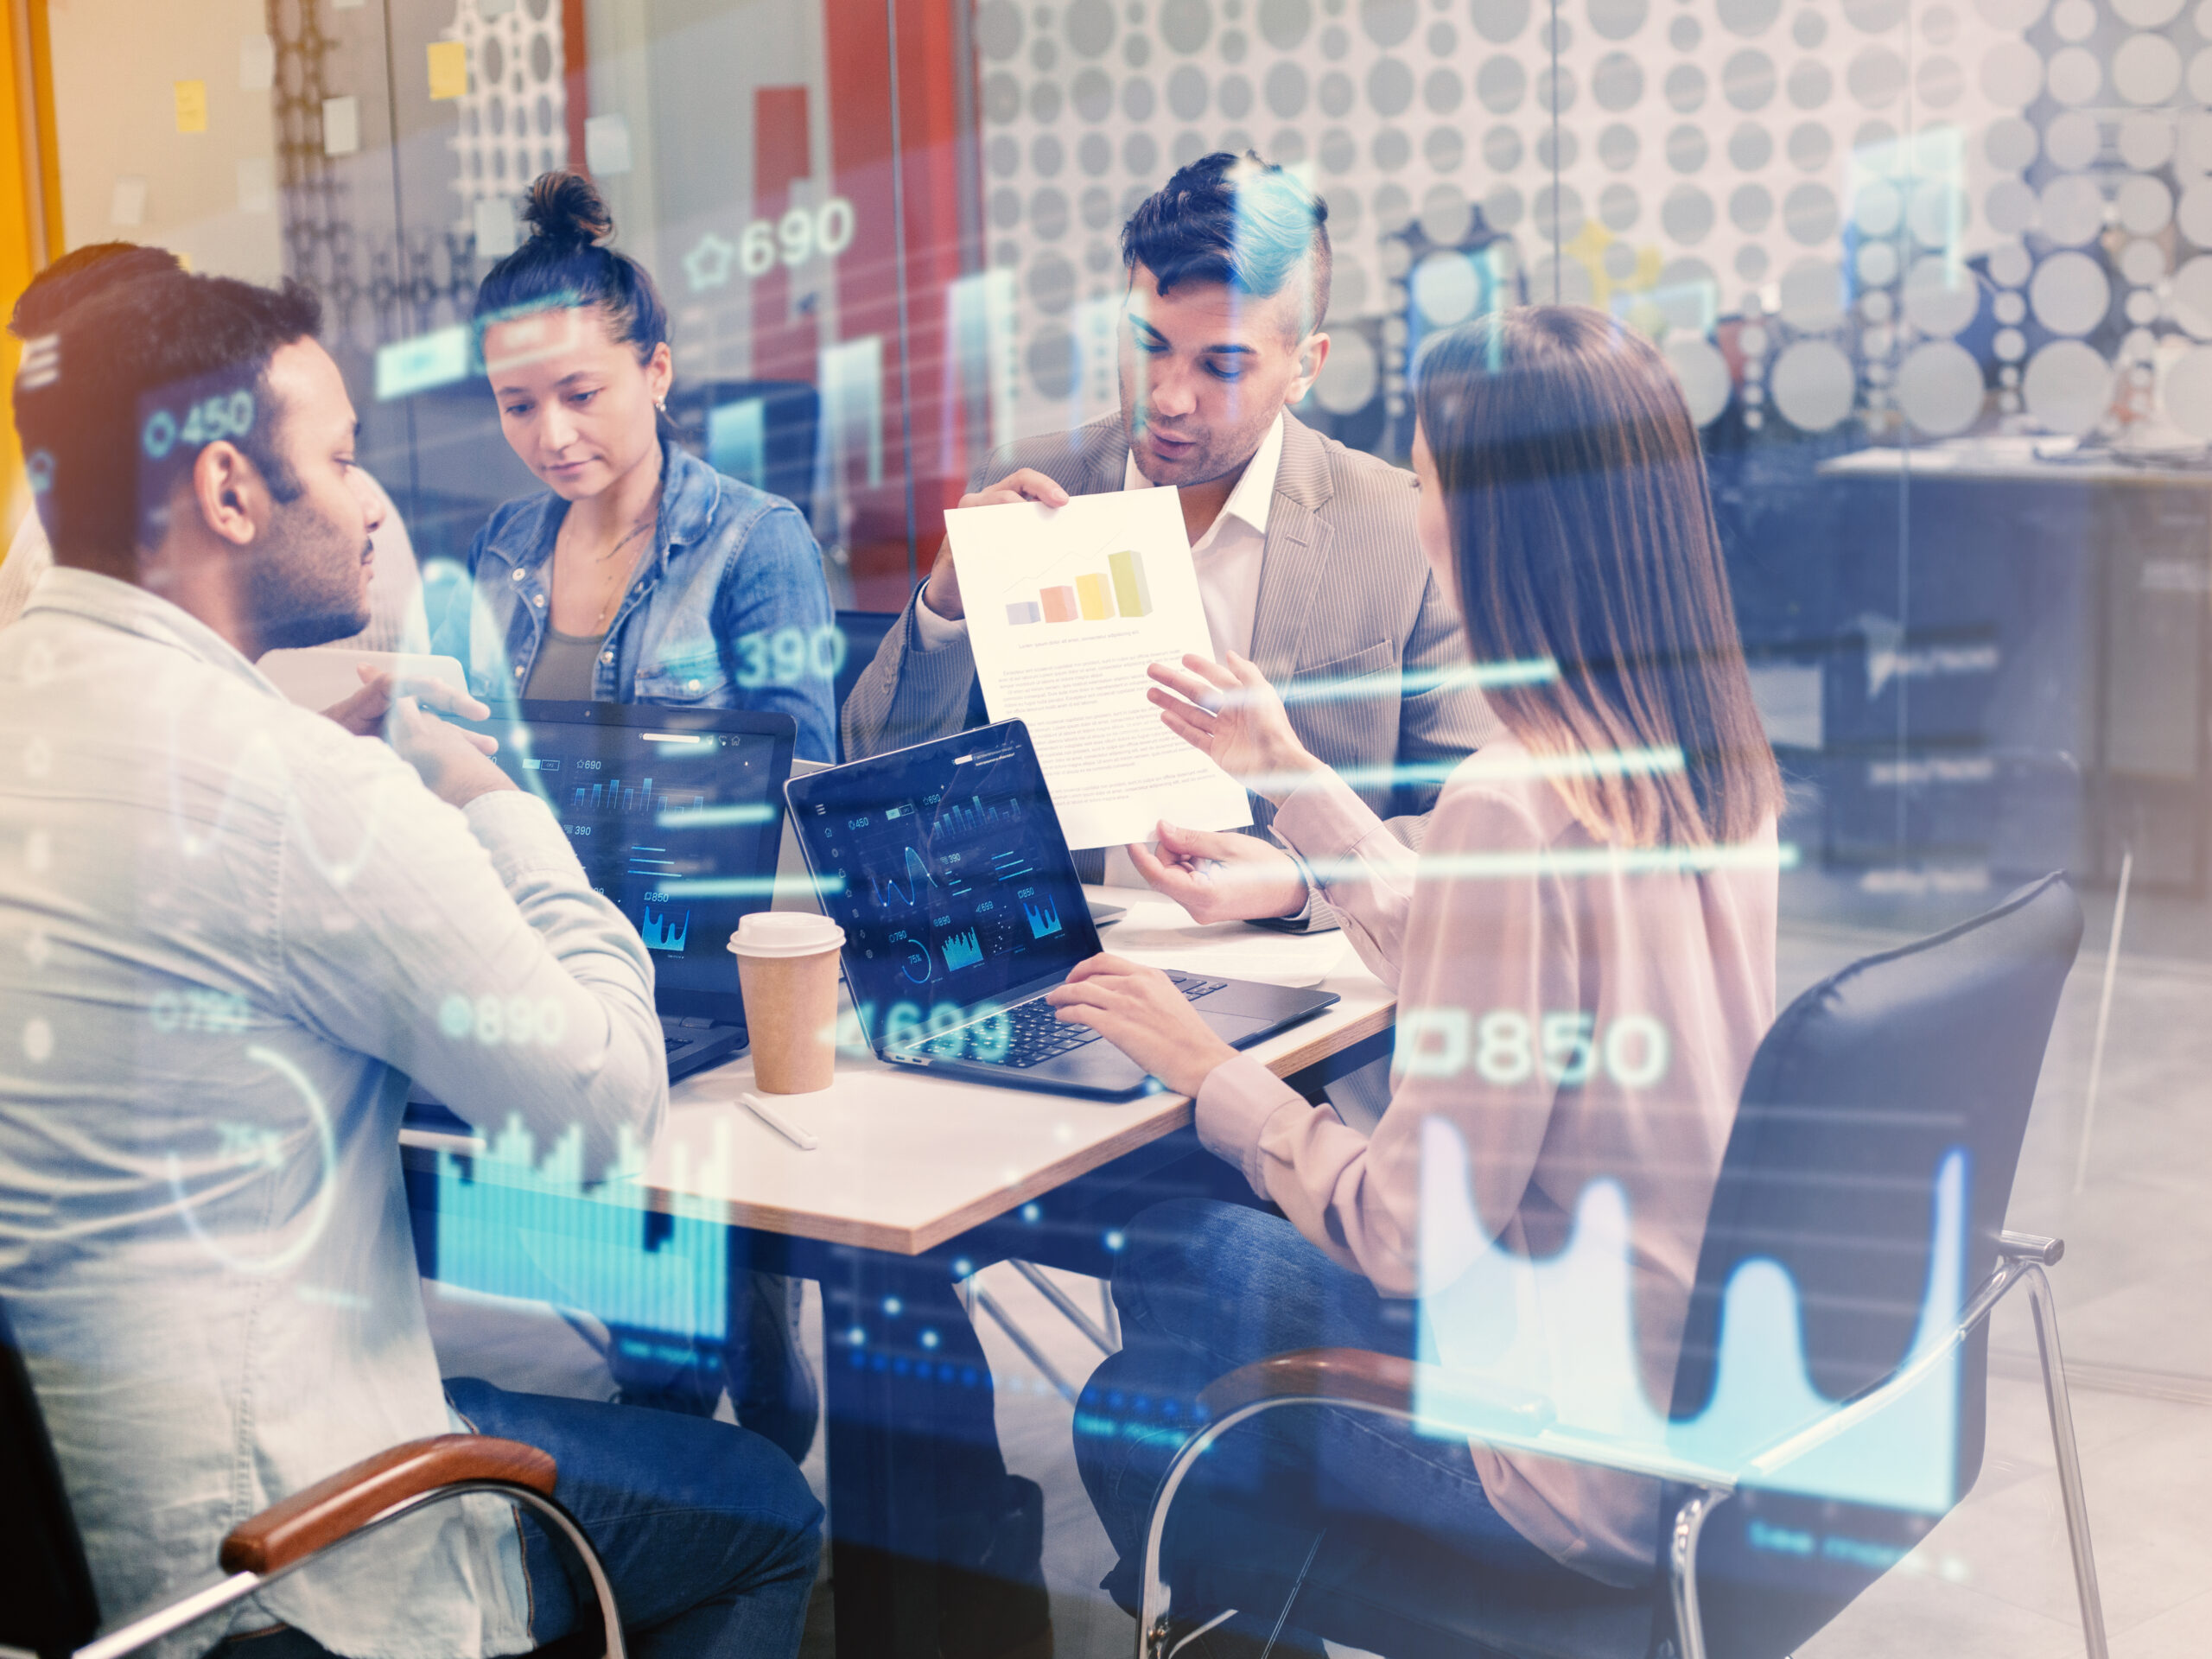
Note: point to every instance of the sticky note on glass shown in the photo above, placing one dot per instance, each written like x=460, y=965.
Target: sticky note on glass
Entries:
x=192, y=106
x=448, y=69
x=341, y=125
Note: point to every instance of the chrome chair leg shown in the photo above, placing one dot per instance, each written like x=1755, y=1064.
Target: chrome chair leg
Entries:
x=1681, y=1570
x=2044, y=1306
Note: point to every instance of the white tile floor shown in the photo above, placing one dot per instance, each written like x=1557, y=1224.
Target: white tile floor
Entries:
x=1994, y=1578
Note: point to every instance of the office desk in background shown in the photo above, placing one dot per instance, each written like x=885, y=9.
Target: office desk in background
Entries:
x=915, y=1174
x=2048, y=687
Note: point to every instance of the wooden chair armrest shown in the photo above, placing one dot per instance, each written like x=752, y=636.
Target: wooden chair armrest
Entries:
x=1361, y=1376
x=1355, y=1374
x=318, y=1516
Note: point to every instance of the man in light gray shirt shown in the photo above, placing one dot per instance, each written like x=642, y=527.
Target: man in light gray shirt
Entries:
x=231, y=931
x=1307, y=559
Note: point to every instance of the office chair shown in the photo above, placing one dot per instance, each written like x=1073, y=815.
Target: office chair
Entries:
x=1866, y=1086
x=47, y=1606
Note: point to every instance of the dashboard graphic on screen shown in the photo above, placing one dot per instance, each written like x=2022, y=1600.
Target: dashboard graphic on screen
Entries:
x=678, y=826
x=955, y=882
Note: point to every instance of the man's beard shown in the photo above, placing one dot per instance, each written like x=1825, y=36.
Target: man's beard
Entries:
x=301, y=594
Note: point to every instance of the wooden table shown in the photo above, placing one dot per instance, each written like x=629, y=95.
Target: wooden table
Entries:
x=918, y=1174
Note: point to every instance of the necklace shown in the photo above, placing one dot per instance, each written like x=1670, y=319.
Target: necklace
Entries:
x=651, y=517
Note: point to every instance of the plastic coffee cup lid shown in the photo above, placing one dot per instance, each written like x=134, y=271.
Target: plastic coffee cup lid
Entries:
x=785, y=933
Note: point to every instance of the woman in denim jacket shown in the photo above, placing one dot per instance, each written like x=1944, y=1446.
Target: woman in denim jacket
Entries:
x=641, y=575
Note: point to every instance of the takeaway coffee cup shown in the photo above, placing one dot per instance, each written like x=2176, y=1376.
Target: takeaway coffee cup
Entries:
x=787, y=971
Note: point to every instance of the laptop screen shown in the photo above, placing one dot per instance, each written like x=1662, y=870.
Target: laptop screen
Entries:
x=676, y=814
x=945, y=865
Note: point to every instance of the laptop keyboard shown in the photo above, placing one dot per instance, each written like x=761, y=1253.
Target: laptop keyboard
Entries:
x=1035, y=1032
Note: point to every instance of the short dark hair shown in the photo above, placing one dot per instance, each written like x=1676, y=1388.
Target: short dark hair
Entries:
x=79, y=274
x=137, y=379
x=1234, y=220
x=562, y=262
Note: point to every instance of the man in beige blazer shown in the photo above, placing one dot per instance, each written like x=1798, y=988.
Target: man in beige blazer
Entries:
x=1306, y=553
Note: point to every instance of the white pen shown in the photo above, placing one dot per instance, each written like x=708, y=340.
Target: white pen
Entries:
x=789, y=1131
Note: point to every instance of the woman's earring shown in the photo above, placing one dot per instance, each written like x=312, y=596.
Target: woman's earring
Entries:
x=661, y=405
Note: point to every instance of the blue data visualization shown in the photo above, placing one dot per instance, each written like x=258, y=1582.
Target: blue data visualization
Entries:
x=510, y=1225
x=971, y=815
x=963, y=951
x=1561, y=1330
x=1043, y=916
x=661, y=933
x=918, y=877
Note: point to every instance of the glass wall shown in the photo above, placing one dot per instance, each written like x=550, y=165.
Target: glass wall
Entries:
x=1935, y=276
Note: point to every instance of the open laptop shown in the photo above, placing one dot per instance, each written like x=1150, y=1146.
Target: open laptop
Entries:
x=945, y=865
x=676, y=815
x=795, y=888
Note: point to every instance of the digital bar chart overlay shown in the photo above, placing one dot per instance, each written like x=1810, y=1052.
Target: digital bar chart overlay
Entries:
x=963, y=951
x=1044, y=916
x=1096, y=596
x=612, y=796
x=971, y=815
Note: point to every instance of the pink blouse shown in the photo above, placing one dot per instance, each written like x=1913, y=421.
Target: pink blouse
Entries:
x=1510, y=914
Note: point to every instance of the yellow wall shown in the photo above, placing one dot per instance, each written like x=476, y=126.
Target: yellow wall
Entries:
x=115, y=63
x=26, y=232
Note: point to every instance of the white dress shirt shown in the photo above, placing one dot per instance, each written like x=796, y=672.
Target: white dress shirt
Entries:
x=1228, y=557
x=229, y=933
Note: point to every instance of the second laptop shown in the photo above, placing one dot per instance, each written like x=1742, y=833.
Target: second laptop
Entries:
x=945, y=865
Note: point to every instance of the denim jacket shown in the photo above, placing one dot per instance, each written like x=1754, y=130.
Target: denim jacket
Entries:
x=730, y=611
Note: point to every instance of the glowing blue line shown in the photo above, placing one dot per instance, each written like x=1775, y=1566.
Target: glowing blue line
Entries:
x=1414, y=682
x=1612, y=763
x=1586, y=860
x=714, y=817
x=753, y=887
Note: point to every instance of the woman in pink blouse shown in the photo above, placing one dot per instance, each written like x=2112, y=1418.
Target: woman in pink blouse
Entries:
x=1583, y=952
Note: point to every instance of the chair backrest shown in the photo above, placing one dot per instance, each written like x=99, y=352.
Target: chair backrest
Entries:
x=47, y=1604
x=1863, y=1086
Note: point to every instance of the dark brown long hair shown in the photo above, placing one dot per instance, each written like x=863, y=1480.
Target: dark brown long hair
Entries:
x=1582, y=533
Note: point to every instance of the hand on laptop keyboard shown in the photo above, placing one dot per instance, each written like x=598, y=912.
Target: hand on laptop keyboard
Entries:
x=1034, y=1031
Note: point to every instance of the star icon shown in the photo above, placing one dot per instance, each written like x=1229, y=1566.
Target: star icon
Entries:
x=707, y=264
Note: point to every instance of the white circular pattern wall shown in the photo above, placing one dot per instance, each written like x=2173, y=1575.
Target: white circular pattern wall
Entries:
x=513, y=123
x=1859, y=176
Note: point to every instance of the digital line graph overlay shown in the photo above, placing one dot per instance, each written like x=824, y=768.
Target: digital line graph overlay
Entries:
x=1121, y=589
x=1573, y=1348
x=918, y=877
x=661, y=933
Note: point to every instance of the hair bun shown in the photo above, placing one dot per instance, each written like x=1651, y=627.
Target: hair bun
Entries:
x=565, y=209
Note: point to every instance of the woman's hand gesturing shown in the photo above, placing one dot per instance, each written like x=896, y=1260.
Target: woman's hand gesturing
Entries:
x=1232, y=715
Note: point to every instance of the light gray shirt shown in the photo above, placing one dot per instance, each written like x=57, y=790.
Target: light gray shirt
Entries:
x=229, y=932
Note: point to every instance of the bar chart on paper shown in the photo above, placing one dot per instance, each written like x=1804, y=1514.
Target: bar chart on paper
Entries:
x=1094, y=596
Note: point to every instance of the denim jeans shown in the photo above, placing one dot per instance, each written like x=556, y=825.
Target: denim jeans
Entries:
x=1205, y=1288
x=708, y=1533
